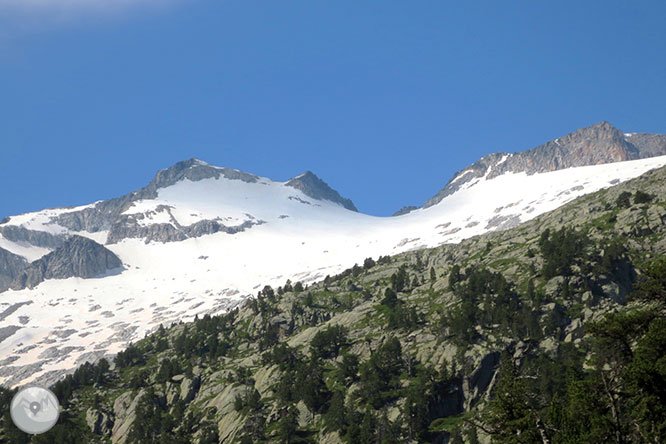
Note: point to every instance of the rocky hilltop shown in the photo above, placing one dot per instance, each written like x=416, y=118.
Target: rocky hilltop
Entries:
x=598, y=144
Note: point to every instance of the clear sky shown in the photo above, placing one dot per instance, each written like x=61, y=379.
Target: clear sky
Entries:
x=384, y=100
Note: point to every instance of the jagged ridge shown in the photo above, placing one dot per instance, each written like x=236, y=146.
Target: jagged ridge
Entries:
x=597, y=144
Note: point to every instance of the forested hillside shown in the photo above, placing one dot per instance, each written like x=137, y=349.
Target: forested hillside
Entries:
x=551, y=332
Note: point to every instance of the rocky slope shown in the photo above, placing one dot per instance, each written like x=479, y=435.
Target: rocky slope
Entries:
x=594, y=145
x=10, y=266
x=408, y=347
x=76, y=257
x=314, y=187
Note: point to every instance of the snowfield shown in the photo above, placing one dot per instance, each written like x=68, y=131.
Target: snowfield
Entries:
x=52, y=328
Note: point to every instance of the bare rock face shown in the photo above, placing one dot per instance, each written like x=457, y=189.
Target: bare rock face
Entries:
x=124, y=412
x=194, y=170
x=310, y=185
x=189, y=388
x=476, y=386
x=77, y=257
x=128, y=226
x=648, y=145
x=99, y=422
x=595, y=145
x=37, y=238
x=11, y=265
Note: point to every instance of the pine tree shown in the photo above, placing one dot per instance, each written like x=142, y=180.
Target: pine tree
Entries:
x=390, y=298
x=209, y=435
x=511, y=413
x=400, y=279
x=623, y=200
x=454, y=276
x=100, y=371
x=415, y=409
x=349, y=367
x=380, y=375
x=367, y=432
x=472, y=435
x=642, y=197
x=288, y=426
x=456, y=436
x=336, y=415
x=311, y=387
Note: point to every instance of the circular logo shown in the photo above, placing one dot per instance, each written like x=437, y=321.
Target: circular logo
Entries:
x=34, y=410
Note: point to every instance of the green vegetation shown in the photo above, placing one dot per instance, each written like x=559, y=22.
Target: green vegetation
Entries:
x=561, y=250
x=642, y=198
x=620, y=398
x=623, y=200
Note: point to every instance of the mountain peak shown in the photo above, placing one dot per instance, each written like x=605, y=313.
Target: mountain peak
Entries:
x=311, y=185
x=193, y=169
x=601, y=131
x=593, y=145
x=308, y=174
x=604, y=124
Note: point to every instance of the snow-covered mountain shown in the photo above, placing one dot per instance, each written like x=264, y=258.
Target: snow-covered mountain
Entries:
x=82, y=282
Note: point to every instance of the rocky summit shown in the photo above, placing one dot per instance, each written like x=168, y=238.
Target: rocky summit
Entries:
x=314, y=187
x=598, y=144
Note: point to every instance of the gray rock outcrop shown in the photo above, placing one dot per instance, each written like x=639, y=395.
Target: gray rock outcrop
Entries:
x=128, y=227
x=42, y=239
x=189, y=388
x=99, y=422
x=597, y=144
x=312, y=186
x=194, y=170
x=7, y=331
x=77, y=257
x=11, y=265
x=648, y=145
x=124, y=412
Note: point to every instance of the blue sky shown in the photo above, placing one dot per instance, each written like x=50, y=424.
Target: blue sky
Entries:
x=385, y=100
